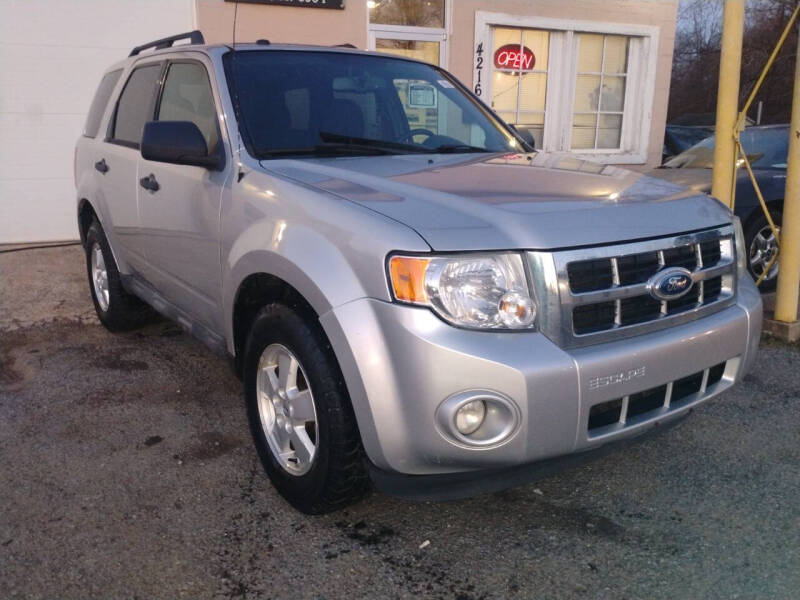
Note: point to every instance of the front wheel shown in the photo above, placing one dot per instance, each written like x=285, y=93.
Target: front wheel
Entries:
x=300, y=415
x=761, y=249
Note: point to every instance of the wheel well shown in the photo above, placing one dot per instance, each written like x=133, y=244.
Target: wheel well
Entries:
x=255, y=292
x=86, y=215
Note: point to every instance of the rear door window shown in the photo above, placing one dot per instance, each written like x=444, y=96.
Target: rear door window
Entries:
x=187, y=96
x=100, y=102
x=136, y=105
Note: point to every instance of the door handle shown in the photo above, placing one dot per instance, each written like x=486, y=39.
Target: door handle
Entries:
x=149, y=183
x=101, y=166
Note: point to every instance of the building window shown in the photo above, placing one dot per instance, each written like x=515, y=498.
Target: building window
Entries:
x=411, y=28
x=519, y=85
x=599, y=91
x=577, y=86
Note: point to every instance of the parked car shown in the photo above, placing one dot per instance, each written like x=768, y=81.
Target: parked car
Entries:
x=766, y=147
x=438, y=309
x=678, y=138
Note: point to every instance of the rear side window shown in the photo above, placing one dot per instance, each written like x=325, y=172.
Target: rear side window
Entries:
x=100, y=101
x=136, y=105
x=187, y=96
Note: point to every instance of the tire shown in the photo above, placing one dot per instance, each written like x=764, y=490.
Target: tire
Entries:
x=117, y=309
x=759, y=244
x=332, y=474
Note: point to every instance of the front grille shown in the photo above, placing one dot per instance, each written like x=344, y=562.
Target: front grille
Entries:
x=616, y=414
x=605, y=290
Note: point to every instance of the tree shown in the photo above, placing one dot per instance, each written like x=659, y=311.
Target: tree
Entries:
x=695, y=70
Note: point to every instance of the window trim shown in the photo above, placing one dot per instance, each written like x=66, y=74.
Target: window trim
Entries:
x=112, y=122
x=562, y=70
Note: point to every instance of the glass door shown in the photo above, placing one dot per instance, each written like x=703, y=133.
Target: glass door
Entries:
x=410, y=28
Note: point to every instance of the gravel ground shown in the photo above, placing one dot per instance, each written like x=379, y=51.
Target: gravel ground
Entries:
x=126, y=471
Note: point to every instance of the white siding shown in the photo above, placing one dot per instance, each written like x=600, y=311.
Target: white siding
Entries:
x=52, y=56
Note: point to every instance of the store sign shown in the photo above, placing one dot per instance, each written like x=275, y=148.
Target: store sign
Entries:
x=300, y=3
x=514, y=56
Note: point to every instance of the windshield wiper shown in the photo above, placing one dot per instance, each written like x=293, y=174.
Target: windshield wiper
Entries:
x=329, y=149
x=358, y=142
x=457, y=148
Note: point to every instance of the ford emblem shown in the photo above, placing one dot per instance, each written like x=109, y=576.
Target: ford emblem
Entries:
x=670, y=284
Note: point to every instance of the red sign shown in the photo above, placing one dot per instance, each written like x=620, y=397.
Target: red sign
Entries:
x=514, y=56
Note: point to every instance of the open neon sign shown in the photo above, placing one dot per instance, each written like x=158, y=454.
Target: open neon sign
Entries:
x=514, y=56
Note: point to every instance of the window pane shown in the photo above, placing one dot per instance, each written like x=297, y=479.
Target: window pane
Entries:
x=616, y=54
x=187, y=97
x=590, y=53
x=508, y=117
x=520, y=94
x=587, y=93
x=504, y=91
x=533, y=122
x=100, y=101
x=608, y=132
x=583, y=130
x=418, y=13
x=613, y=93
x=538, y=42
x=136, y=104
x=599, y=94
x=504, y=35
x=425, y=51
x=533, y=92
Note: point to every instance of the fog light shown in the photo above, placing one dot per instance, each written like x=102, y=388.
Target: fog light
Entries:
x=470, y=416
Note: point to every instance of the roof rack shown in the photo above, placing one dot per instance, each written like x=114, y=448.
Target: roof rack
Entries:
x=194, y=37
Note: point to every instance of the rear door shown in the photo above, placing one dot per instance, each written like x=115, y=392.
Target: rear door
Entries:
x=181, y=220
x=118, y=159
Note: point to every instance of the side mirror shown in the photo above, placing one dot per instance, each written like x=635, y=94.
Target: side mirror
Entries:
x=525, y=134
x=177, y=142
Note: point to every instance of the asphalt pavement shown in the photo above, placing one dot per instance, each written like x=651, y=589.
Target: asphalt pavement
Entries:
x=126, y=471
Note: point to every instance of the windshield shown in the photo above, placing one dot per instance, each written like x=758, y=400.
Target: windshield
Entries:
x=765, y=149
x=329, y=103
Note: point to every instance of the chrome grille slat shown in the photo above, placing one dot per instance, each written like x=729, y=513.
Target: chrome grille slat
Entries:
x=614, y=301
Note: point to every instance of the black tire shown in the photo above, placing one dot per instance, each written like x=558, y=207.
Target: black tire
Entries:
x=124, y=310
x=759, y=224
x=337, y=476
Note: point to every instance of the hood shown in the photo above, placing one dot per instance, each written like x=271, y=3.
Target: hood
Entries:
x=494, y=202
x=698, y=180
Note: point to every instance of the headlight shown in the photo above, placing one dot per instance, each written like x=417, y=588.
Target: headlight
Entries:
x=741, y=249
x=479, y=291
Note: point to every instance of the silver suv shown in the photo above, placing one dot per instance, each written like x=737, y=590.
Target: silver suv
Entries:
x=410, y=293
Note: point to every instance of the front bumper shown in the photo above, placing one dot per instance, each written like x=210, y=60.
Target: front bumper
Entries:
x=400, y=363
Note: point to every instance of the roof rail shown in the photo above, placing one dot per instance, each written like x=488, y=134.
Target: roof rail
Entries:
x=345, y=45
x=194, y=37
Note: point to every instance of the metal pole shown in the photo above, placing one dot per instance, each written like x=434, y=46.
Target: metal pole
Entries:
x=728, y=101
x=789, y=276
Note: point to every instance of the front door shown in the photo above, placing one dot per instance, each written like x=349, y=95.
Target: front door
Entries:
x=180, y=220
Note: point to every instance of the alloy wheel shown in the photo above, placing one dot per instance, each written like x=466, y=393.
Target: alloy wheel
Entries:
x=762, y=249
x=100, y=277
x=286, y=409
